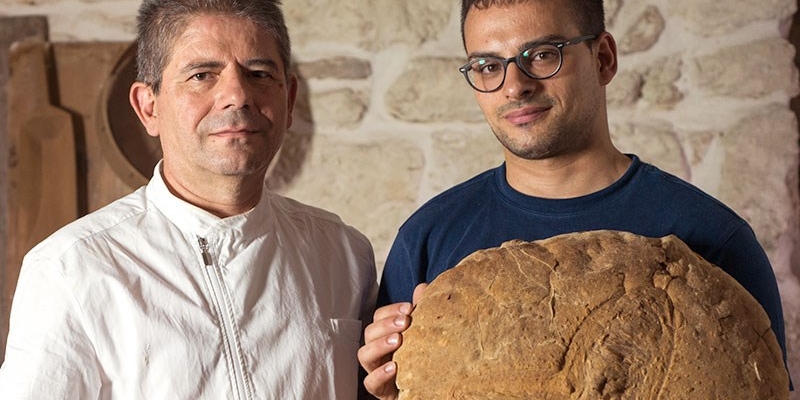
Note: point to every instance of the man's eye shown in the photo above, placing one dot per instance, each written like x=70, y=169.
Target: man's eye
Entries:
x=261, y=74
x=487, y=67
x=200, y=76
x=546, y=54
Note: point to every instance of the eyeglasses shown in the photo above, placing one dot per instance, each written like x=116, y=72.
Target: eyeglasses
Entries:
x=540, y=61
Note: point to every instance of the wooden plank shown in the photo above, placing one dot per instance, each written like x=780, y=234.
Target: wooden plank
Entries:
x=42, y=174
x=12, y=29
x=110, y=136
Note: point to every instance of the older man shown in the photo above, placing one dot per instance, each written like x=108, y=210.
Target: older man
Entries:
x=203, y=284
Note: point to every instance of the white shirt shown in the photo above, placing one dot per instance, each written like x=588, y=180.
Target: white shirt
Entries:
x=153, y=298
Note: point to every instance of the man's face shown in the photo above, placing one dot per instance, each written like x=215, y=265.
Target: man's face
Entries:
x=224, y=103
x=538, y=119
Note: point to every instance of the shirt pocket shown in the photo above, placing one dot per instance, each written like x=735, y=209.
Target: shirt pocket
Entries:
x=347, y=329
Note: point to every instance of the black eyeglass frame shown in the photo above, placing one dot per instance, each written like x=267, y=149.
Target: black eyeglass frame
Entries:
x=464, y=69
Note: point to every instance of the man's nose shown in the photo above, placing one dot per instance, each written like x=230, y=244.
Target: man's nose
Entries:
x=517, y=84
x=235, y=90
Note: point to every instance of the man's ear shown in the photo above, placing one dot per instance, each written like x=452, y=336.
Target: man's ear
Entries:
x=606, y=58
x=143, y=101
x=291, y=98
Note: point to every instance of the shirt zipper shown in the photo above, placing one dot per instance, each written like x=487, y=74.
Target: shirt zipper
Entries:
x=224, y=308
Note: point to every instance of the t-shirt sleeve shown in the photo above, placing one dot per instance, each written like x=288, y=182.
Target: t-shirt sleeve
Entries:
x=401, y=273
x=742, y=257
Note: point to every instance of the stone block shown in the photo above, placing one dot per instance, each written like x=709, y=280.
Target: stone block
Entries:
x=368, y=24
x=655, y=143
x=660, y=82
x=372, y=186
x=757, y=168
x=432, y=90
x=335, y=68
x=643, y=33
x=338, y=108
x=750, y=70
x=625, y=89
x=713, y=17
x=460, y=154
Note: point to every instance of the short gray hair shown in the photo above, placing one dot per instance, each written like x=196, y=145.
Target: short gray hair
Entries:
x=160, y=22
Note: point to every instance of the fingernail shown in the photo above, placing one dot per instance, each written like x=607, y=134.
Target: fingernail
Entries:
x=400, y=321
x=393, y=340
x=389, y=367
x=405, y=308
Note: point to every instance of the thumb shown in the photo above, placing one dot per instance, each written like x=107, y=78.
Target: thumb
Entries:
x=418, y=292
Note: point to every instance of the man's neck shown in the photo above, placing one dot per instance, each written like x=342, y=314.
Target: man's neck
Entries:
x=566, y=176
x=223, y=196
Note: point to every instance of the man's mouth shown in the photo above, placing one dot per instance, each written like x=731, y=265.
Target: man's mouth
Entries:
x=234, y=132
x=525, y=115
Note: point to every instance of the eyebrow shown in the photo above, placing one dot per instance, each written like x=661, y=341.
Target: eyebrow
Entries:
x=262, y=62
x=253, y=62
x=526, y=45
x=200, y=65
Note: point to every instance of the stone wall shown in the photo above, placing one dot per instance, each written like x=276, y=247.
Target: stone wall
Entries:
x=385, y=121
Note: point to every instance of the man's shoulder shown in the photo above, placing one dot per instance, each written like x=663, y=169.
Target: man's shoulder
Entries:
x=103, y=219
x=311, y=218
x=459, y=200
x=292, y=208
x=662, y=186
x=479, y=186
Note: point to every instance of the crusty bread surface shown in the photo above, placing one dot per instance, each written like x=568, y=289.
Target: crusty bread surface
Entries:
x=590, y=315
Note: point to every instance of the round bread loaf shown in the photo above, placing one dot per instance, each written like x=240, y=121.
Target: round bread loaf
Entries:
x=592, y=315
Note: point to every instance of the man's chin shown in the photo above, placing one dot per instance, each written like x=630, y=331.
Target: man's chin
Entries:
x=240, y=169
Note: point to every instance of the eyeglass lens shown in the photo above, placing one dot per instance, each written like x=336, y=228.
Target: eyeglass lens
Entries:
x=488, y=73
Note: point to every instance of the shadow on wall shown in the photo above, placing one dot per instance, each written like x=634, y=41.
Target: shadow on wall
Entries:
x=297, y=142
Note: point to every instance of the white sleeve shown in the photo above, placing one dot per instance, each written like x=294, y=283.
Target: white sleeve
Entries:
x=48, y=353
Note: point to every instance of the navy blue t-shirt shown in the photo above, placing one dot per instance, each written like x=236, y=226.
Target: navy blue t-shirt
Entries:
x=485, y=211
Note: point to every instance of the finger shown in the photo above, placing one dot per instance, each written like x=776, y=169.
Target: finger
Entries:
x=391, y=323
x=381, y=382
x=376, y=353
x=392, y=310
x=418, y=291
